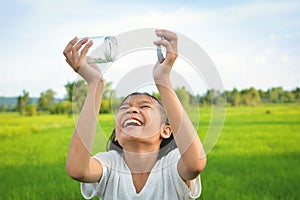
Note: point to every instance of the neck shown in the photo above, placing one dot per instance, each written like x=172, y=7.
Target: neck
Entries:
x=142, y=162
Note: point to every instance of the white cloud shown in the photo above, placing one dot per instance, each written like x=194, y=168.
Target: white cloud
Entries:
x=260, y=9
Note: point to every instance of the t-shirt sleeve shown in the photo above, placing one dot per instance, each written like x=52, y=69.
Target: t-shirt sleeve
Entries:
x=195, y=188
x=90, y=190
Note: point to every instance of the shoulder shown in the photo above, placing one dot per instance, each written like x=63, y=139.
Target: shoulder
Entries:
x=111, y=153
x=167, y=163
x=172, y=157
x=109, y=160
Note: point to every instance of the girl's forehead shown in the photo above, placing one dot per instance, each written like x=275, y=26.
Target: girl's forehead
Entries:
x=139, y=99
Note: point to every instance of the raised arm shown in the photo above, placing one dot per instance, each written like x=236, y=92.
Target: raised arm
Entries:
x=193, y=159
x=80, y=166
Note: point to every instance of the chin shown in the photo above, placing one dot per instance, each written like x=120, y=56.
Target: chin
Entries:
x=130, y=134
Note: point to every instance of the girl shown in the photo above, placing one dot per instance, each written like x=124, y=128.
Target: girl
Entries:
x=142, y=161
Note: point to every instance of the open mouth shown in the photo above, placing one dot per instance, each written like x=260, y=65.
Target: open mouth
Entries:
x=132, y=122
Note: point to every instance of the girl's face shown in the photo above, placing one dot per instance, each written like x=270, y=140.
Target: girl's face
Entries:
x=139, y=119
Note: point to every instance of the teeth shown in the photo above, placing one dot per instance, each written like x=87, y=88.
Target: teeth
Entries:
x=132, y=122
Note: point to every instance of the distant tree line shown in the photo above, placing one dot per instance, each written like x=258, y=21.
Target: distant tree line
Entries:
x=254, y=97
x=77, y=90
x=249, y=96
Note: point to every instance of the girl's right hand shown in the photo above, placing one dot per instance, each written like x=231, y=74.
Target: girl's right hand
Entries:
x=80, y=63
x=162, y=70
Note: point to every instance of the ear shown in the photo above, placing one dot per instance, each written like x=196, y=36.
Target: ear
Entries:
x=166, y=131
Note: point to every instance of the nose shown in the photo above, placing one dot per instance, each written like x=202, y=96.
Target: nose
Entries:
x=132, y=109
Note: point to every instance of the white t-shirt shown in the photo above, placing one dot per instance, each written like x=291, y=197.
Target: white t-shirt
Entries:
x=164, y=182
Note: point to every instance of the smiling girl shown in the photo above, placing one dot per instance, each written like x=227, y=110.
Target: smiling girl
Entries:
x=154, y=151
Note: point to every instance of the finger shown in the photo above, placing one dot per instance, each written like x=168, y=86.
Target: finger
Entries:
x=87, y=47
x=70, y=45
x=168, y=35
x=84, y=51
x=67, y=51
x=75, y=61
x=167, y=45
x=81, y=43
x=162, y=42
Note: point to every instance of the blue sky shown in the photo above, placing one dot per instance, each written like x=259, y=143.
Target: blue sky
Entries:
x=252, y=43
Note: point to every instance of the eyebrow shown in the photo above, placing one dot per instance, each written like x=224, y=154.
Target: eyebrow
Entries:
x=145, y=101
x=139, y=102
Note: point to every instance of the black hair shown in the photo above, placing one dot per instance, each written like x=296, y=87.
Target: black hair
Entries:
x=166, y=145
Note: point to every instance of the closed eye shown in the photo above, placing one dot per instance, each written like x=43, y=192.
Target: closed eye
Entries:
x=123, y=108
x=145, y=106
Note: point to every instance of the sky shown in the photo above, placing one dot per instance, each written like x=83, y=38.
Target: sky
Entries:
x=252, y=43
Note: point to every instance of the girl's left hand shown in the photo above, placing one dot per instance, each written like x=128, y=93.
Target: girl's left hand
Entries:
x=75, y=53
x=170, y=43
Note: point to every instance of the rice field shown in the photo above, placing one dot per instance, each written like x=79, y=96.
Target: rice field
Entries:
x=256, y=157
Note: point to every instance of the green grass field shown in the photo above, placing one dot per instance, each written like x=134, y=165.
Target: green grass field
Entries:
x=256, y=157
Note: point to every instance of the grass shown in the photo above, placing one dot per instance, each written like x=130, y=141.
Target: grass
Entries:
x=256, y=157
x=32, y=157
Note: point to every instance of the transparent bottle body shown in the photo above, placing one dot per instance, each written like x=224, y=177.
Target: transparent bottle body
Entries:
x=104, y=49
